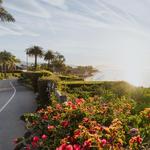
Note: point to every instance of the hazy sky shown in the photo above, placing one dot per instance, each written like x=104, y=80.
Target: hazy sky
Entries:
x=96, y=32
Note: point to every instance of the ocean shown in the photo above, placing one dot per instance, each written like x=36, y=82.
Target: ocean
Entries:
x=141, y=78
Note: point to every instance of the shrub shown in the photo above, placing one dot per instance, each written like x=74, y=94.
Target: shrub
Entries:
x=45, y=91
x=90, y=124
x=32, y=78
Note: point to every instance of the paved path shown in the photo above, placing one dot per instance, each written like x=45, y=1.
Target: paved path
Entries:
x=15, y=100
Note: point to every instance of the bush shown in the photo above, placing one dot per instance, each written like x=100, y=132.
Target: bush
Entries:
x=90, y=124
x=45, y=91
x=10, y=75
x=70, y=78
x=32, y=78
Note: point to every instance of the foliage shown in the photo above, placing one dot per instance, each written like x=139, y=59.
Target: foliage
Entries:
x=44, y=91
x=70, y=78
x=7, y=62
x=107, y=89
x=49, y=56
x=35, y=51
x=9, y=75
x=91, y=124
x=4, y=15
x=81, y=71
x=32, y=77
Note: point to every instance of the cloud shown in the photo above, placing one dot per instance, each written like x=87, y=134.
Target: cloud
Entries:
x=55, y=2
x=14, y=29
x=31, y=7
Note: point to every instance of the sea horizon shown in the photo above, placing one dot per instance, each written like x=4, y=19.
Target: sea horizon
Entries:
x=140, y=79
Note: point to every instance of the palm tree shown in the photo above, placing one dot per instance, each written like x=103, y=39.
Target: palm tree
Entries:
x=35, y=51
x=5, y=15
x=58, y=62
x=13, y=62
x=5, y=58
x=49, y=56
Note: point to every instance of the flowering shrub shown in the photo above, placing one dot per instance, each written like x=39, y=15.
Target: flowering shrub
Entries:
x=91, y=124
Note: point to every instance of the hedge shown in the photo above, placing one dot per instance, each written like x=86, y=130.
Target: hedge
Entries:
x=32, y=78
x=70, y=78
x=9, y=75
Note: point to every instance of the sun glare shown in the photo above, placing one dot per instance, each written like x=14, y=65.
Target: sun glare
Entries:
x=133, y=75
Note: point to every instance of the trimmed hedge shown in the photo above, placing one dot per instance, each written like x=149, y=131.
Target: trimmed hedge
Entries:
x=32, y=78
x=46, y=91
x=9, y=75
x=70, y=78
x=92, y=88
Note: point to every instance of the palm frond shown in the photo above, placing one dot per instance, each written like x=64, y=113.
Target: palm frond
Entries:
x=5, y=16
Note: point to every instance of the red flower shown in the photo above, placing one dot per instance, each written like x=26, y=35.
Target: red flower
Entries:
x=139, y=139
x=45, y=117
x=69, y=103
x=34, y=144
x=28, y=147
x=77, y=133
x=73, y=106
x=58, y=106
x=65, y=124
x=44, y=137
x=85, y=119
x=76, y=147
x=35, y=139
x=79, y=101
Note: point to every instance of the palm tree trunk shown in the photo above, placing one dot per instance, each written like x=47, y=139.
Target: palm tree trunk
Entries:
x=35, y=66
x=48, y=64
x=4, y=70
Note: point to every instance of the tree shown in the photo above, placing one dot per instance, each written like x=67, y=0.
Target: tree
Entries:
x=13, y=62
x=49, y=56
x=5, y=15
x=35, y=51
x=7, y=61
x=58, y=62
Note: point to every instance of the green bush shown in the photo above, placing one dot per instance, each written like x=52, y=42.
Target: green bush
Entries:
x=46, y=91
x=10, y=75
x=32, y=77
x=70, y=78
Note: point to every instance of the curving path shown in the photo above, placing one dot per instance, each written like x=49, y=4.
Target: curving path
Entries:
x=15, y=100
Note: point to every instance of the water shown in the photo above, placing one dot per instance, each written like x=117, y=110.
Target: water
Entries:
x=141, y=78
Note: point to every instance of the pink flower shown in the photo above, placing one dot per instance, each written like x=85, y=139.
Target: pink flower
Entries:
x=69, y=147
x=87, y=143
x=35, y=139
x=104, y=141
x=61, y=147
x=65, y=124
x=76, y=147
x=44, y=137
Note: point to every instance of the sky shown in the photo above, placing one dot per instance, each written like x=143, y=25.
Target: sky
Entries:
x=87, y=32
